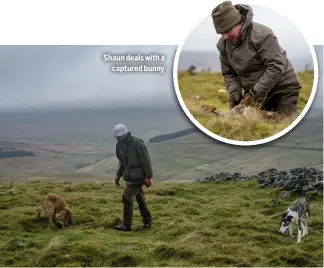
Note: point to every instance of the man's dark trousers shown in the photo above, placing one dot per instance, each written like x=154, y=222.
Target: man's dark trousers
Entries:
x=128, y=195
x=285, y=102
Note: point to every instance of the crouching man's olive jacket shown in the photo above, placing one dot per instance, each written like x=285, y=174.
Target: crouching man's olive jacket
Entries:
x=257, y=62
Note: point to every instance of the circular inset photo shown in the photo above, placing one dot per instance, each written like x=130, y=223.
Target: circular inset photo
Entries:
x=245, y=75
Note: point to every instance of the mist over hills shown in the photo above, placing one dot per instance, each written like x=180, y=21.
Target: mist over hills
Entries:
x=196, y=155
x=93, y=126
x=186, y=156
x=145, y=122
x=210, y=59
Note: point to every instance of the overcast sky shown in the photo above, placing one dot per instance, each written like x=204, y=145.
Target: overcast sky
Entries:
x=34, y=76
x=204, y=37
x=52, y=76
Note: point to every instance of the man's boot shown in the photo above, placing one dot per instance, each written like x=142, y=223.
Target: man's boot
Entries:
x=147, y=225
x=124, y=228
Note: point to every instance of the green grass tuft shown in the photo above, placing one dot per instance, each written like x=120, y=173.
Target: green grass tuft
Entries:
x=215, y=224
x=209, y=89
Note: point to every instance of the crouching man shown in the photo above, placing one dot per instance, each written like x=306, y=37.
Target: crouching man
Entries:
x=252, y=58
x=135, y=168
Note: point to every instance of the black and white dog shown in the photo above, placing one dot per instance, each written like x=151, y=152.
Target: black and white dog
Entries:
x=297, y=210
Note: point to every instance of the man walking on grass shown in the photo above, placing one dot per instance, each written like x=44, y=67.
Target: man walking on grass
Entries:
x=251, y=58
x=135, y=168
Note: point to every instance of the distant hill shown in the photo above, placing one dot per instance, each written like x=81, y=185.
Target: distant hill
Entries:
x=83, y=146
x=315, y=114
x=174, y=135
x=92, y=127
x=197, y=155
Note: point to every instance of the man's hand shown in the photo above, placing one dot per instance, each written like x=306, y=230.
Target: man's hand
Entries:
x=117, y=181
x=235, y=99
x=249, y=100
x=147, y=182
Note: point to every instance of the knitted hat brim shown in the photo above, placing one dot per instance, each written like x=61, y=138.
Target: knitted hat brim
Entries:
x=229, y=26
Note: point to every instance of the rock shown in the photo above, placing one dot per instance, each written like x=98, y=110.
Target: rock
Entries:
x=318, y=187
x=223, y=176
x=285, y=195
x=301, y=180
x=319, y=184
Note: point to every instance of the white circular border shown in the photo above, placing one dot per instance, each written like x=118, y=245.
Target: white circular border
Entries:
x=244, y=143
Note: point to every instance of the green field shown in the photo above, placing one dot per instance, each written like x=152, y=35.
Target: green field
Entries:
x=218, y=224
x=208, y=89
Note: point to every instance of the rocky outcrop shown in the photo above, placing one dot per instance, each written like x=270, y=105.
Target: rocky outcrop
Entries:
x=224, y=176
x=301, y=180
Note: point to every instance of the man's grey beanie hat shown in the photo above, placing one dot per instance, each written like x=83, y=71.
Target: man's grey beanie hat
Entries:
x=120, y=130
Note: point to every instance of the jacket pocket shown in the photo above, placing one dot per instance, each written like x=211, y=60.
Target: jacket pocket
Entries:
x=135, y=174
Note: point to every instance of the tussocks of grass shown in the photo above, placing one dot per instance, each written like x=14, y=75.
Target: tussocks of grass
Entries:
x=209, y=89
x=215, y=224
x=244, y=128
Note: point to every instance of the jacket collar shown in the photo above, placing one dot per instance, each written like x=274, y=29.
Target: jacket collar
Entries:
x=127, y=139
x=247, y=16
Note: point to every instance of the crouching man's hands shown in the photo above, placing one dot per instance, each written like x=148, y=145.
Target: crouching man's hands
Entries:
x=252, y=99
x=235, y=99
x=248, y=100
x=147, y=182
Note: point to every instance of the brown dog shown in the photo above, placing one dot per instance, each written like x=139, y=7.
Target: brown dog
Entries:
x=55, y=208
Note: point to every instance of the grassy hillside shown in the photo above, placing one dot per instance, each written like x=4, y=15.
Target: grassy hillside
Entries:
x=196, y=155
x=223, y=224
x=208, y=88
x=182, y=158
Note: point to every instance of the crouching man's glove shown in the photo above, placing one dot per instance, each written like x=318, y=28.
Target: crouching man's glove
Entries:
x=147, y=182
x=235, y=99
x=252, y=99
x=248, y=100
